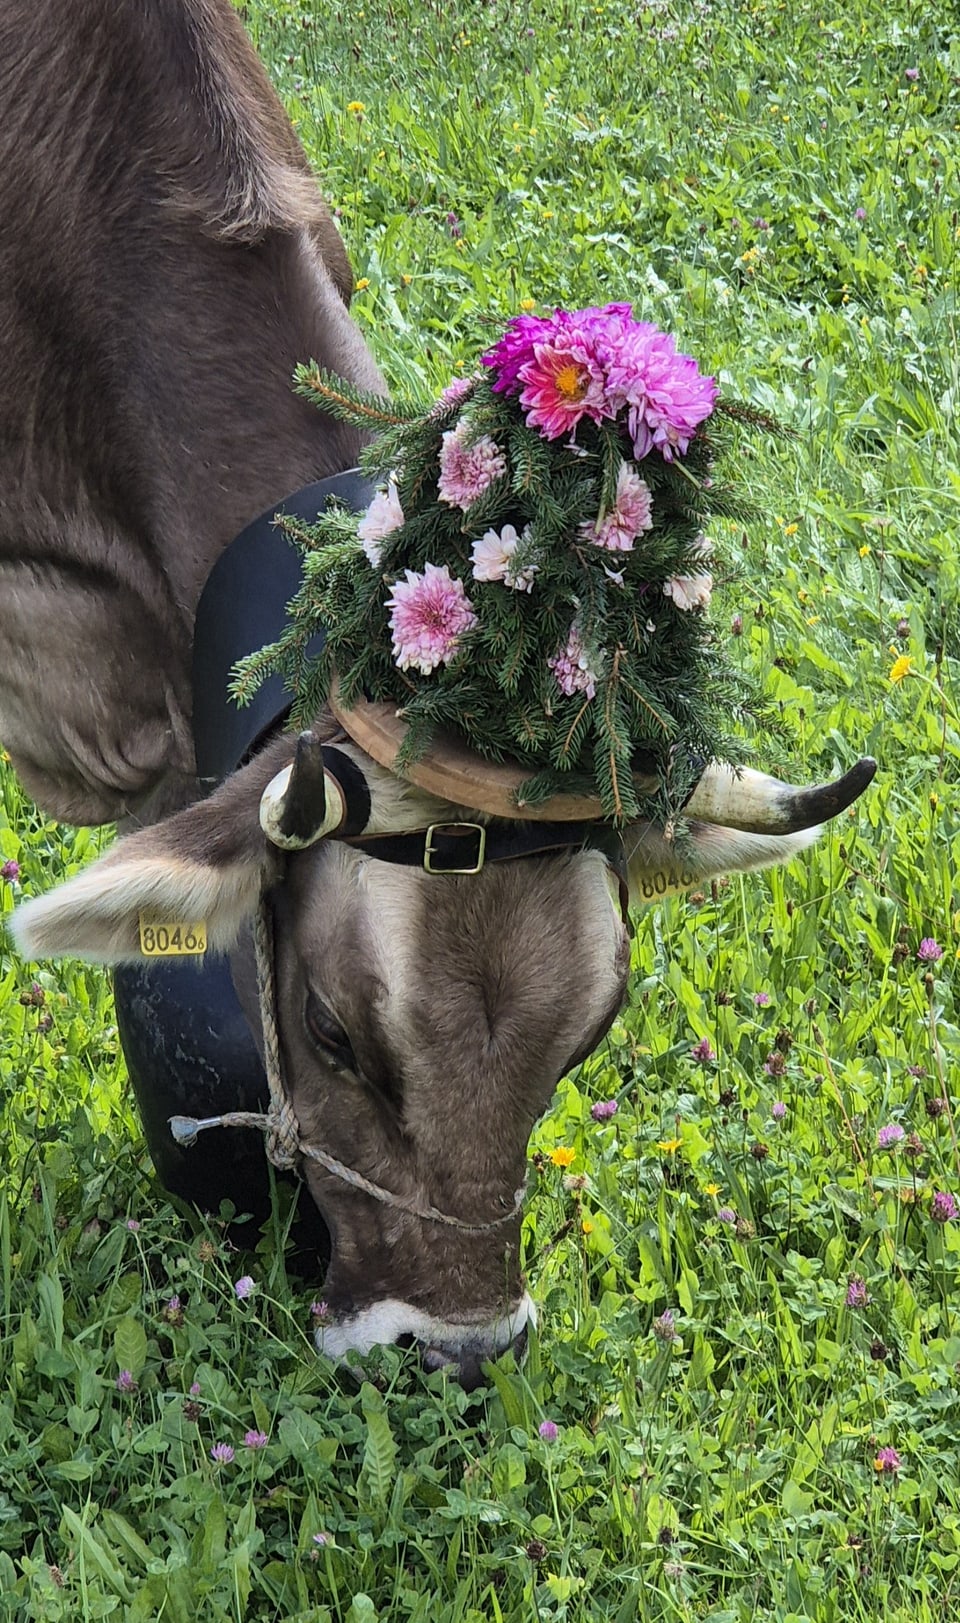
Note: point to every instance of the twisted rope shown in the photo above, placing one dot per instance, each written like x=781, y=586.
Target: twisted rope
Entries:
x=280, y=1126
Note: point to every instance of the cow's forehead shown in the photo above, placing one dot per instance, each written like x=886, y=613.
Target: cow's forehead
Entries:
x=533, y=949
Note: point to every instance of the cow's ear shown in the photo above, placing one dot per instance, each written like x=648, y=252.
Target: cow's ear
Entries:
x=201, y=869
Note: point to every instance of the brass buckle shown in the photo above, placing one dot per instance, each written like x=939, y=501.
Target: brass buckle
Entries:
x=439, y=828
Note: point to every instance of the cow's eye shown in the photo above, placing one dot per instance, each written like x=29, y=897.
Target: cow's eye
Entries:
x=327, y=1032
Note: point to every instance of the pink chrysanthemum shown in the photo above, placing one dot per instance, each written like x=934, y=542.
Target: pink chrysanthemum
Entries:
x=629, y=515
x=693, y=590
x=468, y=466
x=561, y=384
x=428, y=615
x=571, y=667
x=494, y=555
x=382, y=518
x=665, y=392
x=456, y=390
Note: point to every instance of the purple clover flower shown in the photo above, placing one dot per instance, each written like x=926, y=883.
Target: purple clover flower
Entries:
x=887, y=1461
x=857, y=1295
x=222, y=1454
x=726, y=1214
x=255, y=1439
x=860, y=214
x=702, y=1050
x=929, y=951
x=320, y=1540
x=912, y=74
x=604, y=1109
x=133, y=1225
x=778, y=1110
x=244, y=1287
x=761, y=999
x=125, y=1382
x=195, y=1389
x=320, y=1311
x=548, y=1430
x=665, y=1327
x=10, y=871
x=890, y=1135
x=943, y=1208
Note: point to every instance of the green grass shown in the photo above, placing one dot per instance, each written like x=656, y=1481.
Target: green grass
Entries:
x=709, y=163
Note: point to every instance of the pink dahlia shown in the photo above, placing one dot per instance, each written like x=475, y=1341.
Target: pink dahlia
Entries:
x=468, y=466
x=456, y=391
x=629, y=515
x=382, y=518
x=494, y=557
x=515, y=349
x=571, y=667
x=428, y=615
x=665, y=392
x=561, y=384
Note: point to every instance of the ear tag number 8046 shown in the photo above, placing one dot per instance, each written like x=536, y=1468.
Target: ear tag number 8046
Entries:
x=165, y=938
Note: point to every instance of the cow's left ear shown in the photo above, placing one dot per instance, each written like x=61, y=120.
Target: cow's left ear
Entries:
x=200, y=870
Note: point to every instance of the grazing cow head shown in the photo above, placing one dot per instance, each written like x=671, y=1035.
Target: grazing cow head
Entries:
x=424, y=1020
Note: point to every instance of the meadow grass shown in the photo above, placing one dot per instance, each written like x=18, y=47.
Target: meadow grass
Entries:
x=747, y=1300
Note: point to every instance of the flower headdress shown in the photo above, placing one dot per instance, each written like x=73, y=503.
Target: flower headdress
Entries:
x=533, y=573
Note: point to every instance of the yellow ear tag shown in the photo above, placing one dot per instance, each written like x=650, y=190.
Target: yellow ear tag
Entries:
x=161, y=938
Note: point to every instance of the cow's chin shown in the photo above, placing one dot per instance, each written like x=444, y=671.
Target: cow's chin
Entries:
x=462, y=1345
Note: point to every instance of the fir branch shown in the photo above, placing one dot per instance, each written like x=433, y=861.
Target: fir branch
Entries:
x=334, y=395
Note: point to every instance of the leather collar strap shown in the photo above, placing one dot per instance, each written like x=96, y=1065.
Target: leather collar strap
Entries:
x=244, y=607
x=465, y=848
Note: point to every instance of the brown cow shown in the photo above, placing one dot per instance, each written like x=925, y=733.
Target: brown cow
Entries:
x=165, y=260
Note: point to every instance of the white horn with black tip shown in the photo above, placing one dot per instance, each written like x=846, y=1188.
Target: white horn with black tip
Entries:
x=303, y=803
x=757, y=804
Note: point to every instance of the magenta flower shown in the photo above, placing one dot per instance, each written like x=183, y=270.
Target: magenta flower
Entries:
x=702, y=1050
x=856, y=1292
x=761, y=999
x=468, y=465
x=860, y=214
x=887, y=1461
x=778, y=1110
x=125, y=1382
x=195, y=1389
x=244, y=1287
x=561, y=384
x=255, y=1439
x=320, y=1310
x=428, y=615
x=665, y=392
x=929, y=951
x=943, y=1208
x=515, y=349
x=10, y=871
x=604, y=1109
x=549, y=1431
x=572, y=669
x=628, y=517
x=912, y=74
x=222, y=1454
x=383, y=517
x=890, y=1135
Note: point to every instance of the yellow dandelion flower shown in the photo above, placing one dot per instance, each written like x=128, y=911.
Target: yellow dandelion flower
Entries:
x=363, y=282
x=669, y=1145
x=934, y=799
x=587, y=1225
x=790, y=529
x=406, y=280
x=711, y=1189
x=528, y=304
x=563, y=1155
x=920, y=272
x=813, y=619
x=901, y=667
x=864, y=551
x=356, y=107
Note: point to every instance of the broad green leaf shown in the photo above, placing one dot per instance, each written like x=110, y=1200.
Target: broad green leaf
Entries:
x=130, y=1345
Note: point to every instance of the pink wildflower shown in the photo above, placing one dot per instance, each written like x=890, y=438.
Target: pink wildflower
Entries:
x=778, y=1110
x=382, y=518
x=571, y=667
x=943, y=1207
x=726, y=1214
x=222, y=1454
x=761, y=999
x=665, y=1327
x=929, y=951
x=890, y=1135
x=604, y=1109
x=887, y=1461
x=125, y=1382
x=455, y=392
x=10, y=871
x=429, y=614
x=629, y=515
x=493, y=559
x=255, y=1439
x=702, y=1050
x=244, y=1287
x=856, y=1292
x=549, y=1430
x=468, y=466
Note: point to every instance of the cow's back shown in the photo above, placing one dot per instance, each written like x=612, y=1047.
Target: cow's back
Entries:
x=165, y=260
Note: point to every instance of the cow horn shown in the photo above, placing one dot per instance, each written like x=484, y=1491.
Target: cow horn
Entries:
x=304, y=802
x=756, y=804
